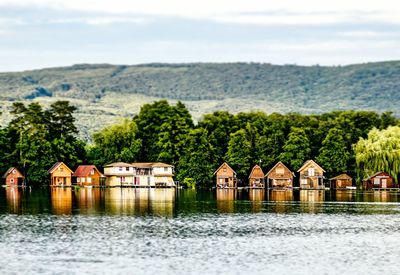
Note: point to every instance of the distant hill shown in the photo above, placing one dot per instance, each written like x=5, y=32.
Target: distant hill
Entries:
x=105, y=92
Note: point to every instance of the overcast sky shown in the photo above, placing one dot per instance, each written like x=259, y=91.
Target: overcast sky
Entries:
x=47, y=33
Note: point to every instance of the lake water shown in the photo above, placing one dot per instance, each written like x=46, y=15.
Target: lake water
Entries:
x=164, y=231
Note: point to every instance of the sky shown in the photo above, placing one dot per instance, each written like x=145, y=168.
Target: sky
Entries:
x=47, y=33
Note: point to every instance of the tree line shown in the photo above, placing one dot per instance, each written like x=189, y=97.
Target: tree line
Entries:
x=36, y=138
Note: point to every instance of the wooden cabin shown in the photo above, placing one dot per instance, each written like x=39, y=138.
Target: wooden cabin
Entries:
x=225, y=177
x=13, y=177
x=60, y=174
x=87, y=175
x=381, y=180
x=280, y=176
x=311, y=175
x=341, y=181
x=256, y=178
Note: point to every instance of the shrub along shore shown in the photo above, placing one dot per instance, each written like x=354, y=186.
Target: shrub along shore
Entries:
x=357, y=142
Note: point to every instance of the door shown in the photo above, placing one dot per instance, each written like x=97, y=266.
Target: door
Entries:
x=384, y=183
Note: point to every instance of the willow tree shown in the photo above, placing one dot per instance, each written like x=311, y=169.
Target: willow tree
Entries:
x=380, y=151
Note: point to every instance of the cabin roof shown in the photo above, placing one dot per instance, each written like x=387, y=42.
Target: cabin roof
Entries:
x=150, y=164
x=119, y=164
x=342, y=177
x=223, y=165
x=255, y=167
x=85, y=170
x=307, y=163
x=376, y=174
x=273, y=168
x=9, y=171
x=56, y=165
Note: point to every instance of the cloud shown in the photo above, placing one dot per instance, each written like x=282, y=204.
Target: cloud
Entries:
x=302, y=12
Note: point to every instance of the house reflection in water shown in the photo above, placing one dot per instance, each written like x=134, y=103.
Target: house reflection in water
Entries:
x=309, y=199
x=226, y=200
x=13, y=197
x=345, y=195
x=257, y=197
x=139, y=201
x=61, y=200
x=88, y=199
x=282, y=199
x=380, y=196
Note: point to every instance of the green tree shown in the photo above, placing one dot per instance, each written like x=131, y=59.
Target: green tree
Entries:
x=239, y=153
x=296, y=149
x=149, y=121
x=380, y=151
x=172, y=135
x=197, y=159
x=219, y=126
x=333, y=155
x=116, y=143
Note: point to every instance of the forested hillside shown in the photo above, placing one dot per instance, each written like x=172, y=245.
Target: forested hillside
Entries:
x=104, y=92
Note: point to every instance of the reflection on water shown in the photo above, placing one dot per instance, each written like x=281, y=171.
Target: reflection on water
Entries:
x=13, y=196
x=226, y=200
x=88, y=200
x=345, y=195
x=257, y=197
x=139, y=201
x=61, y=200
x=171, y=202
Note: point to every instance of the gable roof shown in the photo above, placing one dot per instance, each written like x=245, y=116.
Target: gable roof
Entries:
x=376, y=174
x=255, y=167
x=223, y=165
x=307, y=163
x=85, y=170
x=56, y=165
x=9, y=171
x=342, y=177
x=281, y=163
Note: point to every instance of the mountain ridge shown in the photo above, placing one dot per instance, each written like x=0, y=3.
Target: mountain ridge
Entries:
x=112, y=91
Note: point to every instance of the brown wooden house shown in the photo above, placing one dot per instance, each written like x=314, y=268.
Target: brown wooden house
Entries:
x=13, y=177
x=341, y=181
x=311, y=175
x=256, y=178
x=381, y=180
x=60, y=174
x=280, y=176
x=225, y=177
x=87, y=175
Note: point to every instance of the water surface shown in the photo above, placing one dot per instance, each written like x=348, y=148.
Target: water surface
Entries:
x=163, y=231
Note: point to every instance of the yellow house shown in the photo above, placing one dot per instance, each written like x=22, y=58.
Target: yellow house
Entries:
x=60, y=174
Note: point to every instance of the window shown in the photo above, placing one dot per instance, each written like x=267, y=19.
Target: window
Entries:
x=78, y=180
x=280, y=170
x=311, y=171
x=11, y=180
x=224, y=170
x=120, y=168
x=89, y=180
x=13, y=171
x=165, y=169
x=61, y=169
x=127, y=168
x=83, y=180
x=92, y=172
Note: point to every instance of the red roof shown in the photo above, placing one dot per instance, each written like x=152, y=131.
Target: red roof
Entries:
x=85, y=170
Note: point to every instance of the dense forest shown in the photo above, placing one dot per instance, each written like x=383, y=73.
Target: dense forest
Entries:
x=110, y=91
x=340, y=141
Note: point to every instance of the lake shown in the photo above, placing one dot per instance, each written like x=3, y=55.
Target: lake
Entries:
x=168, y=231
